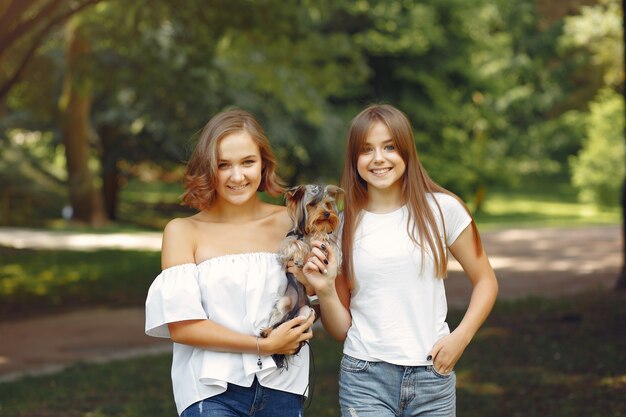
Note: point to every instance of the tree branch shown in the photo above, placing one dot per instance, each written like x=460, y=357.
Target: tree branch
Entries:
x=24, y=27
x=6, y=86
x=12, y=11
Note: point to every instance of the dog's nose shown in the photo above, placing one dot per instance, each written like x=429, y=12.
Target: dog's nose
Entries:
x=327, y=214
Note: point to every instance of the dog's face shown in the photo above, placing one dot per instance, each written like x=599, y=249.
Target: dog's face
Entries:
x=313, y=208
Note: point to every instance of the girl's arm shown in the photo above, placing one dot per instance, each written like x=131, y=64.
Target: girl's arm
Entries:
x=449, y=349
x=206, y=334
x=332, y=290
x=178, y=248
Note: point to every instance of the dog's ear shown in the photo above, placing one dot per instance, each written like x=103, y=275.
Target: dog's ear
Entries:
x=293, y=196
x=333, y=191
x=295, y=207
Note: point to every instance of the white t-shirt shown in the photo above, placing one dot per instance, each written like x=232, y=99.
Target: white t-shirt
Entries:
x=238, y=292
x=398, y=305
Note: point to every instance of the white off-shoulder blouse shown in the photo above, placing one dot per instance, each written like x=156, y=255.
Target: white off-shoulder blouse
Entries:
x=238, y=292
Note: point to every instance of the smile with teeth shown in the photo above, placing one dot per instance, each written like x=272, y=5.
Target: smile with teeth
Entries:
x=380, y=171
x=237, y=187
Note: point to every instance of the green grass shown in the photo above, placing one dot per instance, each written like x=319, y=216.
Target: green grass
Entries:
x=38, y=282
x=559, y=358
x=539, y=357
x=550, y=205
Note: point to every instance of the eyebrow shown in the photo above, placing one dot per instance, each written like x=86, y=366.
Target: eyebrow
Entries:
x=252, y=156
x=384, y=143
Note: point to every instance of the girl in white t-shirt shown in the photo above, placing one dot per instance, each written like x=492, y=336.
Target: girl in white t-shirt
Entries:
x=220, y=277
x=389, y=304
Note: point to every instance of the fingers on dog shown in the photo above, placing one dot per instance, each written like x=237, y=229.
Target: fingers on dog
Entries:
x=317, y=264
x=321, y=245
x=319, y=254
x=301, y=321
x=305, y=323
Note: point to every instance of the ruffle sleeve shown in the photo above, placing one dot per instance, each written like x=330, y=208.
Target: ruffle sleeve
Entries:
x=173, y=296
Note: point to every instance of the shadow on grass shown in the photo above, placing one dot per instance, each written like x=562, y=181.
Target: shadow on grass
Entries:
x=540, y=357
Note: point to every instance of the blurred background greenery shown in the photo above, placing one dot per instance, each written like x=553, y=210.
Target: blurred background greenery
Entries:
x=101, y=99
x=517, y=107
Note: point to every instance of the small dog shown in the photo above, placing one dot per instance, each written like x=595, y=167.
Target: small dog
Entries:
x=313, y=209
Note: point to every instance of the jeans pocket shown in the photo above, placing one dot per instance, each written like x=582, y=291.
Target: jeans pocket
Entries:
x=432, y=369
x=354, y=365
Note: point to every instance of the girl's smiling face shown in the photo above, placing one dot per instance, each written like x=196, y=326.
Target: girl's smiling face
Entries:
x=379, y=163
x=239, y=168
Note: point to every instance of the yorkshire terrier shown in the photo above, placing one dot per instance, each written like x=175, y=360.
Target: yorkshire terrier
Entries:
x=313, y=209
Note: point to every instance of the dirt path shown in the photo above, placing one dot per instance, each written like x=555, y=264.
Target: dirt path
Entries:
x=528, y=262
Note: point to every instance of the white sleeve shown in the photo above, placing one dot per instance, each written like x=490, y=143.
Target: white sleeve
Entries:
x=455, y=217
x=173, y=296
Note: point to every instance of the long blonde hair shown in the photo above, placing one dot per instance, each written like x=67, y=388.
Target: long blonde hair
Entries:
x=416, y=186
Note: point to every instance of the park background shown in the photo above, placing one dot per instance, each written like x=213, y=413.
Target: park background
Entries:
x=517, y=107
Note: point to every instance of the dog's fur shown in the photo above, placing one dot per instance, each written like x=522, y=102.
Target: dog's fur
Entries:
x=313, y=209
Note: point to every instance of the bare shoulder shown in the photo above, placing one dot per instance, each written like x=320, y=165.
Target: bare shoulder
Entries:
x=278, y=217
x=182, y=224
x=179, y=242
x=275, y=210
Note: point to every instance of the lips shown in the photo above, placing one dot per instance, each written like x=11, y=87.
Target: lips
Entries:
x=380, y=171
x=237, y=187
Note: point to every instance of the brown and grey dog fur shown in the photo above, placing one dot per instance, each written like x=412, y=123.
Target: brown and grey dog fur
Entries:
x=313, y=209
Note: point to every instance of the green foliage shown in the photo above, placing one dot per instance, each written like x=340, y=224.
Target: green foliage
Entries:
x=494, y=89
x=420, y=55
x=598, y=171
x=43, y=281
x=599, y=30
x=31, y=178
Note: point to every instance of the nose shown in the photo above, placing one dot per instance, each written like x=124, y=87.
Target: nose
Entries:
x=378, y=155
x=236, y=174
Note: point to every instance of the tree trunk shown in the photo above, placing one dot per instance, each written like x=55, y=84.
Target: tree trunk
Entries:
x=75, y=107
x=479, y=199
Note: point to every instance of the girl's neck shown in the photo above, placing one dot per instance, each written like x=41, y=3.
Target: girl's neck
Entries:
x=384, y=201
x=224, y=212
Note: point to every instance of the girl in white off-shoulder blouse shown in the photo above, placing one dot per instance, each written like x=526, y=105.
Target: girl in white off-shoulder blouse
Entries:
x=221, y=277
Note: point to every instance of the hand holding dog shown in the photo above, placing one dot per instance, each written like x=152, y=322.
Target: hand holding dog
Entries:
x=320, y=270
x=297, y=272
x=287, y=338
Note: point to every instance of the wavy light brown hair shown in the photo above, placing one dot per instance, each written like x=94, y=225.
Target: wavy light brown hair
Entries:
x=201, y=173
x=416, y=185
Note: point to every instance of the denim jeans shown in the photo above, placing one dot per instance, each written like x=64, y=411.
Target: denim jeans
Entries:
x=256, y=401
x=381, y=389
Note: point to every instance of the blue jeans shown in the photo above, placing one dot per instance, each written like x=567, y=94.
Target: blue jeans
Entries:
x=381, y=389
x=257, y=401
